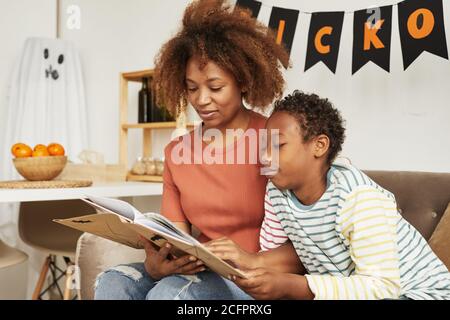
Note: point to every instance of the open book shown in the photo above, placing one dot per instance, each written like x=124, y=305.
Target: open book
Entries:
x=119, y=221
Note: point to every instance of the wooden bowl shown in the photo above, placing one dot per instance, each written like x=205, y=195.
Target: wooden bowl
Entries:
x=40, y=168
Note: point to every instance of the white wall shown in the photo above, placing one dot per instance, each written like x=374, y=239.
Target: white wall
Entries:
x=118, y=36
x=20, y=19
x=395, y=121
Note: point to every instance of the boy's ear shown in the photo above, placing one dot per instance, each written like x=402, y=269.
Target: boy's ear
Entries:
x=321, y=145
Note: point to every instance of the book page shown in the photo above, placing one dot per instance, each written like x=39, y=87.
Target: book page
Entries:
x=154, y=221
x=169, y=225
x=164, y=231
x=116, y=206
x=151, y=222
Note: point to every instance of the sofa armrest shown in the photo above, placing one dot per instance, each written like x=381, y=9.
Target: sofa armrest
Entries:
x=95, y=254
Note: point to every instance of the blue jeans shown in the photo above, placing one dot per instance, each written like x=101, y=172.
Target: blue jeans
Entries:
x=132, y=282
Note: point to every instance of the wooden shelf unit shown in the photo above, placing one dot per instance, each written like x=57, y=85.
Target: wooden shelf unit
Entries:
x=146, y=128
x=150, y=125
x=143, y=178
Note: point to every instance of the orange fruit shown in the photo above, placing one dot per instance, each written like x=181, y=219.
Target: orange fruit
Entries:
x=40, y=153
x=21, y=150
x=39, y=146
x=55, y=149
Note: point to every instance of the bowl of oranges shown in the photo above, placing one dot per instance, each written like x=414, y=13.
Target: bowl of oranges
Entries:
x=42, y=163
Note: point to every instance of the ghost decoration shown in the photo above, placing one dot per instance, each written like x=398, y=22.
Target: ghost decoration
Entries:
x=50, y=72
x=46, y=102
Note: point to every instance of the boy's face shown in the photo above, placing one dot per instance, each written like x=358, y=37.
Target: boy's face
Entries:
x=295, y=156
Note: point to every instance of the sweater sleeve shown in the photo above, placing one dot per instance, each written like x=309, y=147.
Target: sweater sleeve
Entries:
x=272, y=234
x=367, y=223
x=171, y=204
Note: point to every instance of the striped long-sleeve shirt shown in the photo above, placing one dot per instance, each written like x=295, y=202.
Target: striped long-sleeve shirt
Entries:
x=353, y=242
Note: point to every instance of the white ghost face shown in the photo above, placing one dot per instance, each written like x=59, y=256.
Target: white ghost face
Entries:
x=52, y=71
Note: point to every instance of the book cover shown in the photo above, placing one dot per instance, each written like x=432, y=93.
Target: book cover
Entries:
x=119, y=221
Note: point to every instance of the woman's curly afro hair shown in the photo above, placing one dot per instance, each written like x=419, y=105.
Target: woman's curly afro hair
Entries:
x=234, y=41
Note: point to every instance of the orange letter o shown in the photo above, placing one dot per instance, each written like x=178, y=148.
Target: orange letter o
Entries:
x=427, y=26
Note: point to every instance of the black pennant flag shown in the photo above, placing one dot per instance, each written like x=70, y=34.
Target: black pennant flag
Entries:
x=421, y=25
x=253, y=5
x=284, y=22
x=324, y=38
x=372, y=29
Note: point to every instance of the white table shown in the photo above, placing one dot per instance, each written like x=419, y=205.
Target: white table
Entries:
x=116, y=189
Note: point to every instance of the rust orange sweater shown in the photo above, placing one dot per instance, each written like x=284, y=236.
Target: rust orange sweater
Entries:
x=219, y=199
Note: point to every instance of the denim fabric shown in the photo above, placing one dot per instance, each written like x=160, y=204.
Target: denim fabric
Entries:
x=124, y=282
x=205, y=285
x=131, y=282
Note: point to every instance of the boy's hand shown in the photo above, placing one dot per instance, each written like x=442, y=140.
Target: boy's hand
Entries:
x=158, y=265
x=226, y=249
x=263, y=284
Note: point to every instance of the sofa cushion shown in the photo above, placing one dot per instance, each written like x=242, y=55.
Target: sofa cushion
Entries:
x=440, y=239
x=95, y=254
x=421, y=196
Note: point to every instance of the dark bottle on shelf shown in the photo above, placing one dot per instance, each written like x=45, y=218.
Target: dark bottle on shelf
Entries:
x=158, y=113
x=157, y=116
x=145, y=98
x=166, y=114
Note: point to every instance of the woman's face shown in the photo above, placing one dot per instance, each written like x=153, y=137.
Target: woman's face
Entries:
x=213, y=92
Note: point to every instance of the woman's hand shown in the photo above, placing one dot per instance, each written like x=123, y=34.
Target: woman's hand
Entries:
x=158, y=265
x=226, y=249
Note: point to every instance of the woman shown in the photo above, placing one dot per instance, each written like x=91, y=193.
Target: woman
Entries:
x=219, y=59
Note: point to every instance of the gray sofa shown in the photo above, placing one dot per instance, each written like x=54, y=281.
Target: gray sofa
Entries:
x=422, y=199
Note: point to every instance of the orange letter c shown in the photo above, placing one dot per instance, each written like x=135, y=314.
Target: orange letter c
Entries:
x=318, y=40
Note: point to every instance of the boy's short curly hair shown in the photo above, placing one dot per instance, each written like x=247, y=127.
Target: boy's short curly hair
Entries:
x=233, y=40
x=316, y=116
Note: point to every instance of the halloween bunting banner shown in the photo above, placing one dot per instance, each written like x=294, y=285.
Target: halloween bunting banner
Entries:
x=421, y=25
x=284, y=22
x=324, y=38
x=421, y=28
x=372, y=38
x=253, y=6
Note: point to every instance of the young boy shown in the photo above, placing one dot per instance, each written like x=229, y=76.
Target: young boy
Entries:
x=344, y=227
